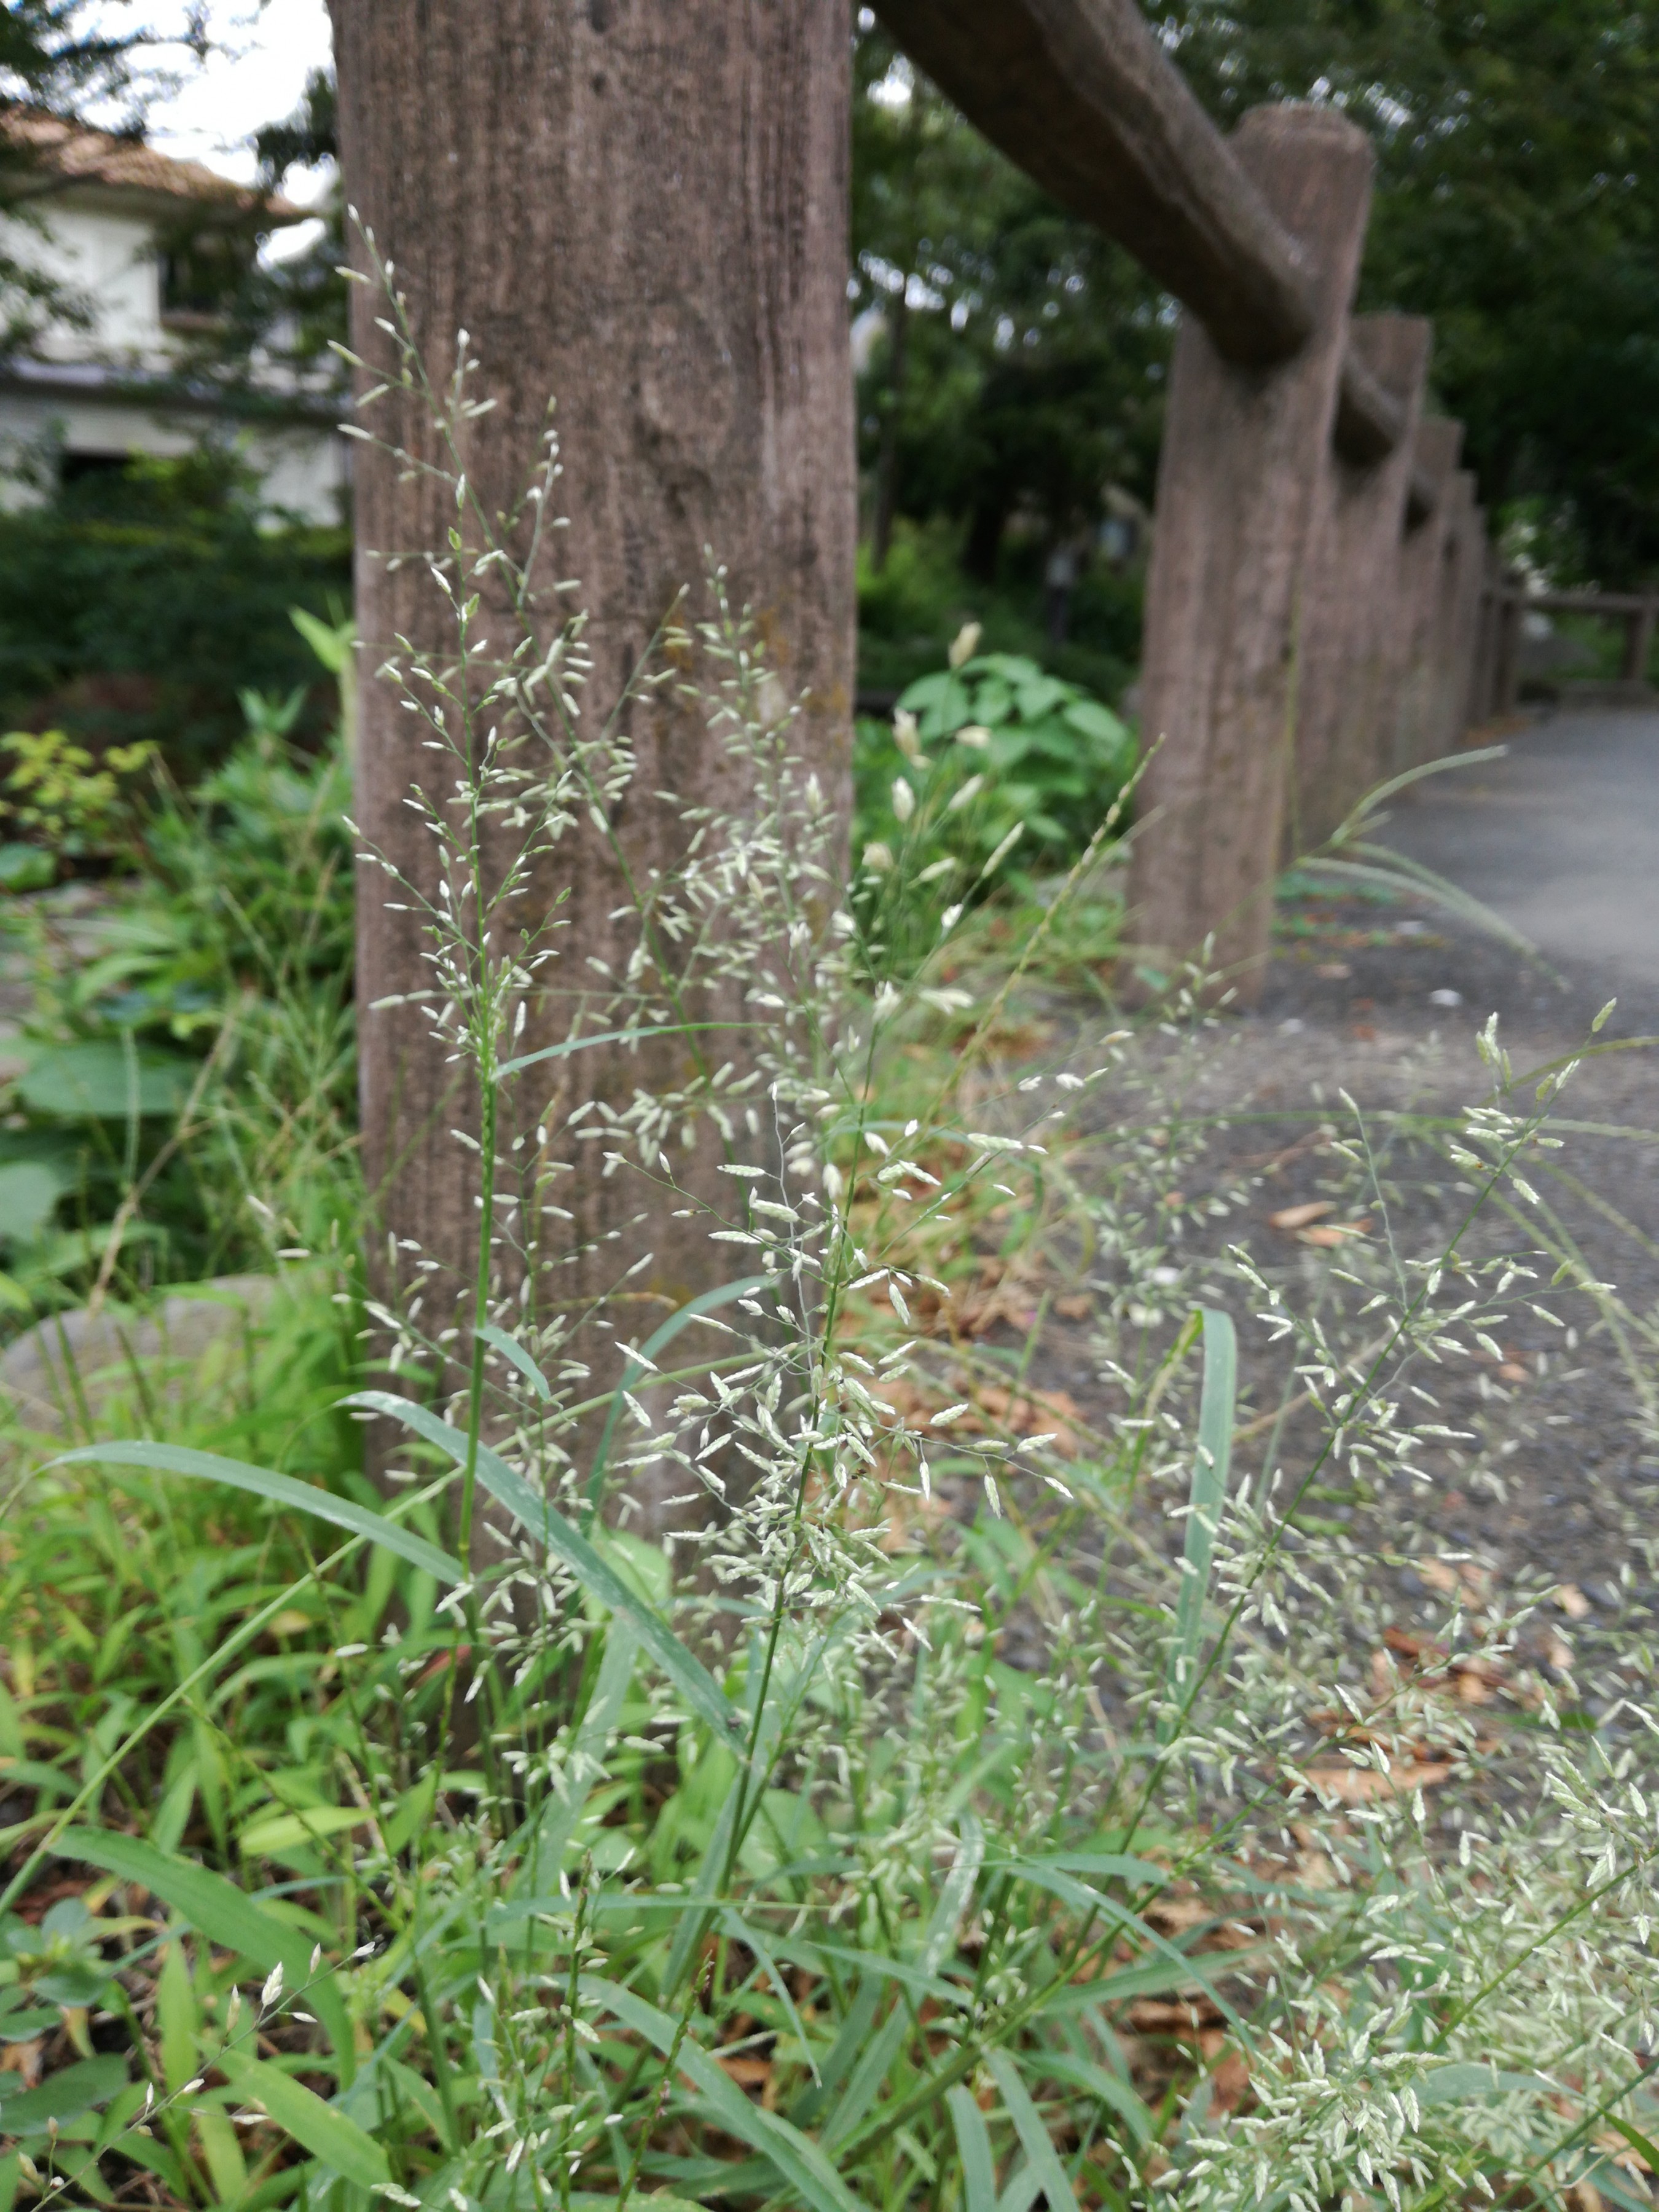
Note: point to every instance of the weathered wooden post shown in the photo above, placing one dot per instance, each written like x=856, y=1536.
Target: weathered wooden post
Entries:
x=1483, y=687
x=1466, y=585
x=1506, y=689
x=1422, y=563
x=1244, y=456
x=1351, y=656
x=1639, y=643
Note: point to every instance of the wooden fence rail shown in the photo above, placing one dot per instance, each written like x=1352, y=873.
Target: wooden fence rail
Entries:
x=1323, y=604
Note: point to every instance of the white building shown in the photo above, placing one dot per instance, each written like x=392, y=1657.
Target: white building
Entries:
x=104, y=218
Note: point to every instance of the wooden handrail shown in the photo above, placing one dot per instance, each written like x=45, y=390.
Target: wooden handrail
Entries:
x=1080, y=94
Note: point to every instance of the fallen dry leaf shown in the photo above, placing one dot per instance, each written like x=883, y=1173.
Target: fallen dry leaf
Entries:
x=1334, y=971
x=24, y=2058
x=748, y=2073
x=1229, y=2081
x=1559, y=1653
x=1329, y=1233
x=1513, y=1371
x=1364, y=1033
x=1572, y=1600
x=1075, y=1308
x=1364, y=1785
x=1298, y=1216
x=1039, y=1412
x=1173, y=2015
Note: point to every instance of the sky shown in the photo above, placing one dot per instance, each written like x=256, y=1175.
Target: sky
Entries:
x=262, y=56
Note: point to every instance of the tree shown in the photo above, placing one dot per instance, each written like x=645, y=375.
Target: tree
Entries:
x=1025, y=351
x=1515, y=205
x=644, y=214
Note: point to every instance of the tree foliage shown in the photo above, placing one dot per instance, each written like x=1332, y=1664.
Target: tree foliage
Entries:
x=1021, y=364
x=1515, y=205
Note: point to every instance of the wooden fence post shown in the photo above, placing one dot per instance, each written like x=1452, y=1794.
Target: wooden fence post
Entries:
x=1468, y=586
x=1244, y=454
x=1638, y=644
x=1349, y=679
x=1422, y=561
x=1506, y=689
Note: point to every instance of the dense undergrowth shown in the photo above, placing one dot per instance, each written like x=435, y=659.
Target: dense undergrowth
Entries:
x=952, y=1797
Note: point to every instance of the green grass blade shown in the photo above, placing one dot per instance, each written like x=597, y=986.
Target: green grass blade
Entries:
x=544, y=1853
x=278, y=1490
x=510, y=1348
x=953, y=1898
x=225, y=1915
x=1210, y=1463
x=314, y=2124
x=1035, y=2138
x=800, y=2165
x=541, y=1518
x=1106, y=2089
x=978, y=2172
x=607, y=1036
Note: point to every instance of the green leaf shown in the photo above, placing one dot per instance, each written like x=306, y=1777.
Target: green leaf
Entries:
x=224, y=1915
x=328, y=2135
x=540, y=1518
x=978, y=2172
x=511, y=1349
x=1092, y=719
x=25, y=867
x=1106, y=2087
x=285, y=1832
x=543, y=1854
x=1033, y=2135
x=280, y=1490
x=608, y=1036
x=800, y=2163
x=105, y=1080
x=64, y=2095
x=29, y=1191
x=1635, y=2139
x=1209, y=1494
x=1450, y=2085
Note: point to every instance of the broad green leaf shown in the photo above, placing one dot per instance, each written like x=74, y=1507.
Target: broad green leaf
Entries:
x=539, y=1517
x=1635, y=2139
x=224, y=1915
x=286, y=1831
x=1209, y=1490
x=1037, y=2142
x=1092, y=719
x=800, y=2165
x=28, y=1192
x=318, y=2127
x=279, y=1490
x=62, y=2096
x=105, y=1080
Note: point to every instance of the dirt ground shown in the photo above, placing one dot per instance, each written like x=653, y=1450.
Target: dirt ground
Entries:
x=1553, y=1481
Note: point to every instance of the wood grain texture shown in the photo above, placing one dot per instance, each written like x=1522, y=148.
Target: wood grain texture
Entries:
x=642, y=212
x=1354, y=640
x=1244, y=463
x=1080, y=94
x=1435, y=448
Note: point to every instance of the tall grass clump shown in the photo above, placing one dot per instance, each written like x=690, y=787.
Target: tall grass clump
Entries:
x=805, y=1763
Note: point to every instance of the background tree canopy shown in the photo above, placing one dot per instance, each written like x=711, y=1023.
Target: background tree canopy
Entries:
x=1021, y=363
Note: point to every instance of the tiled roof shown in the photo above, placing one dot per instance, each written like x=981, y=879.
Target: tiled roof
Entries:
x=71, y=153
